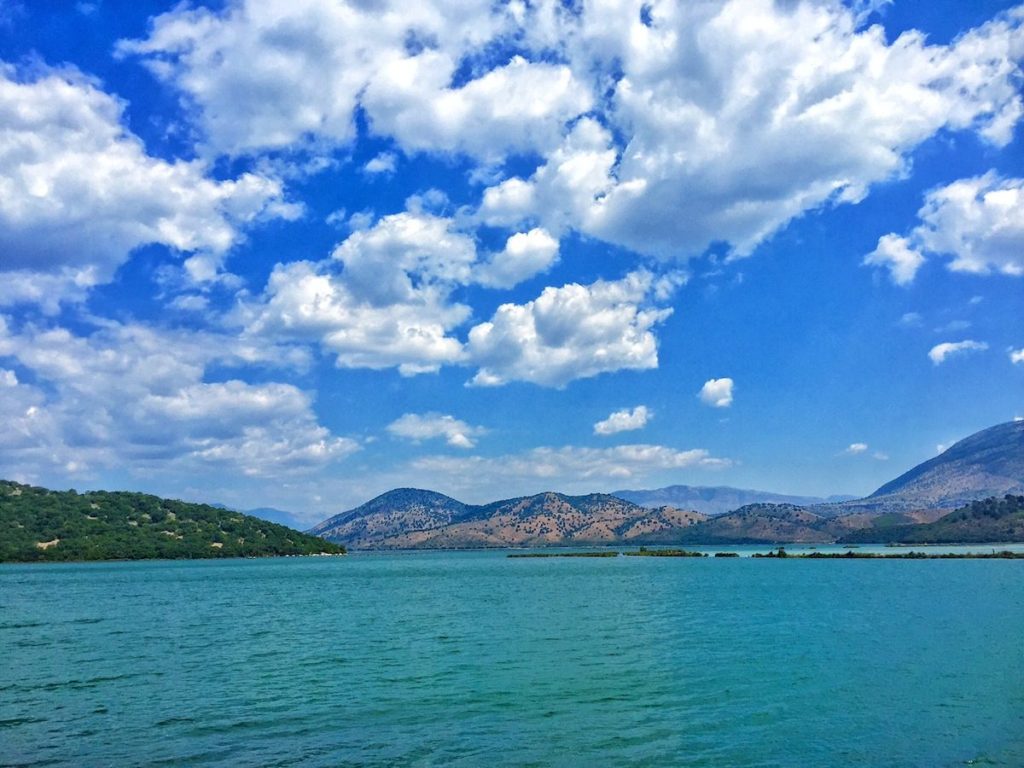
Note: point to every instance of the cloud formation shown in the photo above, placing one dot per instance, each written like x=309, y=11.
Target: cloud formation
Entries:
x=429, y=426
x=78, y=192
x=568, y=465
x=662, y=130
x=940, y=352
x=896, y=254
x=135, y=396
x=572, y=332
x=717, y=393
x=623, y=421
x=977, y=223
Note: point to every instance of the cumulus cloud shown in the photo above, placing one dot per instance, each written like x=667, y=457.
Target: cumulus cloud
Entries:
x=897, y=255
x=430, y=426
x=978, y=223
x=856, y=448
x=717, y=393
x=382, y=300
x=525, y=255
x=663, y=131
x=572, y=332
x=130, y=395
x=623, y=421
x=940, y=352
x=390, y=305
x=384, y=163
x=737, y=117
x=275, y=74
x=78, y=192
x=1017, y=355
x=518, y=107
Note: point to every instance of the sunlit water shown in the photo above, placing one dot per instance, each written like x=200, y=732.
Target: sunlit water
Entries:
x=474, y=659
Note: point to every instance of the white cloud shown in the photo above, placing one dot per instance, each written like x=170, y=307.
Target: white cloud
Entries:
x=978, y=223
x=308, y=302
x=566, y=467
x=940, y=352
x=739, y=116
x=429, y=426
x=897, y=255
x=855, y=448
x=136, y=397
x=385, y=162
x=567, y=333
x=663, y=131
x=526, y=254
x=78, y=192
x=880, y=456
x=1017, y=355
x=623, y=421
x=717, y=393
x=382, y=300
x=277, y=74
x=518, y=107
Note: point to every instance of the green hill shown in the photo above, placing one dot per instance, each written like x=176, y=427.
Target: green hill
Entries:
x=37, y=524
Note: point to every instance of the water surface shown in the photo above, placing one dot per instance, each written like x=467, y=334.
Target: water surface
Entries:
x=466, y=659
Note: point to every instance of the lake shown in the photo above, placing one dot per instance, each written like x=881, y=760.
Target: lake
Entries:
x=471, y=658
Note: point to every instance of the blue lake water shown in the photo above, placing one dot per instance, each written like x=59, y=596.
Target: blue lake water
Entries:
x=470, y=659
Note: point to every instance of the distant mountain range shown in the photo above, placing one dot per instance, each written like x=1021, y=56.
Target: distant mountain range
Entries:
x=270, y=514
x=987, y=464
x=717, y=500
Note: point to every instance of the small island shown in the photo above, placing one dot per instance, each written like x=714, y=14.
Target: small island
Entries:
x=40, y=525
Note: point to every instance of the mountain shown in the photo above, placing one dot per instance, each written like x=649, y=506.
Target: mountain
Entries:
x=279, y=516
x=990, y=520
x=988, y=463
x=762, y=523
x=409, y=518
x=985, y=464
x=270, y=514
x=395, y=513
x=39, y=524
x=715, y=500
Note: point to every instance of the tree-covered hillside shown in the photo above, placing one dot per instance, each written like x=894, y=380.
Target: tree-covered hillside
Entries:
x=37, y=524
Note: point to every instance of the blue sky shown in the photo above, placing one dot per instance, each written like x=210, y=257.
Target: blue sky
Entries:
x=294, y=253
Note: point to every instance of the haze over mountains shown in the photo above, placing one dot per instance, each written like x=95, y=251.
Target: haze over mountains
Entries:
x=986, y=464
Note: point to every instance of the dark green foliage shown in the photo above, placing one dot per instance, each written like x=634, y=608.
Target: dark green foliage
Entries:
x=101, y=525
x=644, y=552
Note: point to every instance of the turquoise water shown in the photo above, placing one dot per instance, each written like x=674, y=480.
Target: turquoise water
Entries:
x=470, y=659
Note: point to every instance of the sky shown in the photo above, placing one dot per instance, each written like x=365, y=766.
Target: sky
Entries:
x=295, y=253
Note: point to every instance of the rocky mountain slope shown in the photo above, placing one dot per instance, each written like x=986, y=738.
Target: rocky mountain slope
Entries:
x=986, y=464
x=409, y=518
